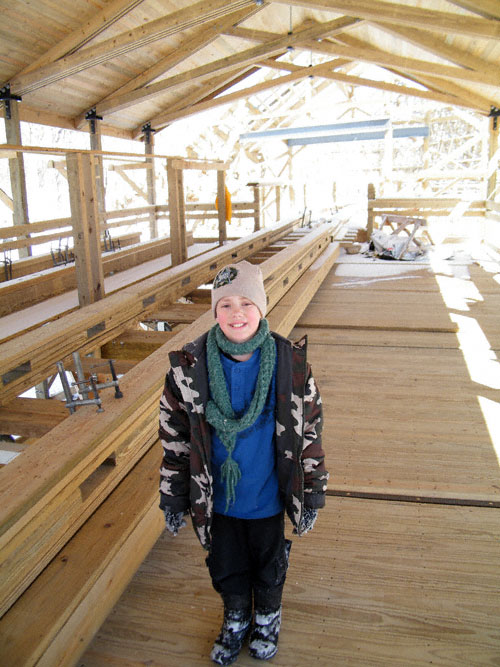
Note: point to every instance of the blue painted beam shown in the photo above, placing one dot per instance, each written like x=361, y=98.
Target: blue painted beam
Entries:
x=398, y=133
x=313, y=129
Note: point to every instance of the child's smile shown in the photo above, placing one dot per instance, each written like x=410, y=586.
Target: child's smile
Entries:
x=238, y=317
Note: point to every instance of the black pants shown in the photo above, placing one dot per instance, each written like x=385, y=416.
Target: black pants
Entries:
x=249, y=556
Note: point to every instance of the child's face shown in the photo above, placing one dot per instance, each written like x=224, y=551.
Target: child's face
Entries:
x=238, y=317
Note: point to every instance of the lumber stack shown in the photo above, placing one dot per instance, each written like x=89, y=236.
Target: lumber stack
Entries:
x=31, y=357
x=23, y=292
x=76, y=473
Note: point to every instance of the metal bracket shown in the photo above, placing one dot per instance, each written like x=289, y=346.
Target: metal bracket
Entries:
x=494, y=113
x=109, y=243
x=63, y=255
x=7, y=97
x=92, y=116
x=147, y=129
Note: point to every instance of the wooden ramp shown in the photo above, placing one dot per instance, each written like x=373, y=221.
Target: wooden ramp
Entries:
x=403, y=565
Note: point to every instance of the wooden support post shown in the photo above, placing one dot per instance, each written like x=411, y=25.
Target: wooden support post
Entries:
x=278, y=202
x=16, y=168
x=150, y=180
x=221, y=206
x=177, y=213
x=369, y=222
x=96, y=145
x=256, y=208
x=493, y=159
x=85, y=218
x=388, y=154
x=291, y=189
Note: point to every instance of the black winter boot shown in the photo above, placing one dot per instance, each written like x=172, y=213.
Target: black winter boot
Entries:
x=264, y=637
x=232, y=635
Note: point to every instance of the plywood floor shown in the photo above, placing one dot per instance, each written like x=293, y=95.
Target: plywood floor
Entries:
x=403, y=566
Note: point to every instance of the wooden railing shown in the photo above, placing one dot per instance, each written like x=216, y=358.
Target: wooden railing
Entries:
x=24, y=237
x=420, y=207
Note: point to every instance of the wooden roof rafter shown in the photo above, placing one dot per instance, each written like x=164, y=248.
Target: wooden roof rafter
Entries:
x=324, y=70
x=140, y=60
x=248, y=57
x=126, y=42
x=207, y=34
x=416, y=17
x=204, y=93
x=437, y=46
x=431, y=82
x=374, y=56
x=90, y=28
x=489, y=9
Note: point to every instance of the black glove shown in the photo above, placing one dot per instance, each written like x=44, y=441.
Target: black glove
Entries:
x=309, y=517
x=174, y=521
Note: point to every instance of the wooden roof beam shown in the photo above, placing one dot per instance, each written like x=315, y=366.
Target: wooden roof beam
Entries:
x=489, y=9
x=238, y=60
x=376, y=10
x=164, y=119
x=384, y=59
x=432, y=83
x=331, y=28
x=323, y=70
x=190, y=45
x=182, y=19
x=438, y=47
x=456, y=95
x=90, y=28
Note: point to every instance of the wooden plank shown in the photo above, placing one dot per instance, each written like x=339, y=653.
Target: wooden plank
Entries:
x=85, y=220
x=108, y=549
x=422, y=203
x=177, y=214
x=412, y=16
x=24, y=267
x=419, y=407
x=391, y=604
x=133, y=344
x=90, y=29
x=288, y=310
x=200, y=165
x=409, y=312
x=16, y=170
x=381, y=338
x=178, y=313
x=228, y=64
x=23, y=292
x=31, y=417
x=221, y=208
x=97, y=323
x=124, y=42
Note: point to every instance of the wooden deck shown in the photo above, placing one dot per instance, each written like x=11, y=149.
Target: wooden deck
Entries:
x=402, y=567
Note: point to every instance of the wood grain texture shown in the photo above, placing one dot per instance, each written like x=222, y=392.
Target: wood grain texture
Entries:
x=375, y=583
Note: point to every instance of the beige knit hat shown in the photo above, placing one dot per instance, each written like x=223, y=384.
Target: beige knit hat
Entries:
x=242, y=279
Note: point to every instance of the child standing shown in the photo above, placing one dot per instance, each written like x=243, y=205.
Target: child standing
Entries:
x=240, y=425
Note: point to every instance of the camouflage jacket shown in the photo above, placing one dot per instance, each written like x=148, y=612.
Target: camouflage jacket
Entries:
x=186, y=479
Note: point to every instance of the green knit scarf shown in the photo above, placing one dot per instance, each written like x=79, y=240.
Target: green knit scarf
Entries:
x=219, y=412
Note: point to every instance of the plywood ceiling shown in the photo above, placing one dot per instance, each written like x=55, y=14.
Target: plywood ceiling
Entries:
x=153, y=61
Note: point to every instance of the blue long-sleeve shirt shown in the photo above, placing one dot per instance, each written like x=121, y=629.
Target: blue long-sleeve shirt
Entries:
x=257, y=494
